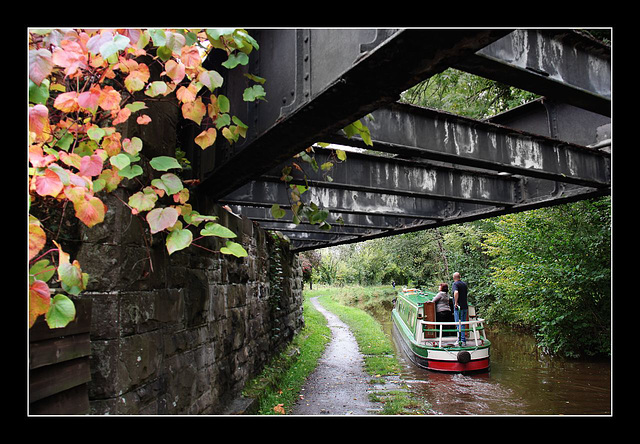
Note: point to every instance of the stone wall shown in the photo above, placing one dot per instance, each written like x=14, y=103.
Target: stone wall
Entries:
x=181, y=334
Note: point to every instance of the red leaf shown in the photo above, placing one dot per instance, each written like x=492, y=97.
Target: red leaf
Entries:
x=39, y=122
x=67, y=102
x=90, y=165
x=143, y=120
x=49, y=184
x=89, y=99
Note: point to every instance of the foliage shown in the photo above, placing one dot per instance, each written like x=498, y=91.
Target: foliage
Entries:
x=84, y=84
x=552, y=268
x=466, y=94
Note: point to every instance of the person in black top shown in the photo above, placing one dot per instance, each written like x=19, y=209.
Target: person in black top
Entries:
x=459, y=289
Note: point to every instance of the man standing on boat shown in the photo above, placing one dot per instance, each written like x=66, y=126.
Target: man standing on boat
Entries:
x=461, y=307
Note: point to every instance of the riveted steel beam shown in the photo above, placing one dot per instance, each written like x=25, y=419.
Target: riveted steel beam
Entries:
x=377, y=174
x=563, y=64
x=431, y=134
x=347, y=201
x=375, y=77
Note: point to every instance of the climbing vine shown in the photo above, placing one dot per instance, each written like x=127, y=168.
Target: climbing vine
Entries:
x=83, y=84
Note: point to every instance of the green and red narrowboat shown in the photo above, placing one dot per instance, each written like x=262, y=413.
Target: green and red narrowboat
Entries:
x=433, y=345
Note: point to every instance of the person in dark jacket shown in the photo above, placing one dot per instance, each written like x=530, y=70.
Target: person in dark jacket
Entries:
x=459, y=289
x=443, y=312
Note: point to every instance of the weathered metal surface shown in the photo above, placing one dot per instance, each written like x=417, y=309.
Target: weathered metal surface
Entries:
x=444, y=169
x=375, y=77
x=431, y=134
x=560, y=64
x=376, y=174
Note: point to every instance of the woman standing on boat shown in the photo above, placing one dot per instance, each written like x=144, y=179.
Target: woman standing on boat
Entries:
x=443, y=312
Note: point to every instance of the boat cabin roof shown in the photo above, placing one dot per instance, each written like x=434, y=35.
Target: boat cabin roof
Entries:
x=417, y=297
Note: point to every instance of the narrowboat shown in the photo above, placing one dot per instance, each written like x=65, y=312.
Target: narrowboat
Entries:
x=433, y=345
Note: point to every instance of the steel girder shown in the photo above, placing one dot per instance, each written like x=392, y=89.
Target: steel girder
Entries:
x=445, y=169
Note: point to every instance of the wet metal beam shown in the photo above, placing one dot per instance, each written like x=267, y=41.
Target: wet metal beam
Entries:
x=376, y=174
x=564, y=65
x=347, y=201
x=426, y=133
x=376, y=77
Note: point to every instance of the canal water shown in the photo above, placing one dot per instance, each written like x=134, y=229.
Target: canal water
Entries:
x=522, y=381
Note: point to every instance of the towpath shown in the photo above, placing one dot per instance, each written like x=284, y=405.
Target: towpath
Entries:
x=339, y=384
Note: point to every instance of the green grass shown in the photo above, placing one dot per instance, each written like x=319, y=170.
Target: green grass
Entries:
x=278, y=386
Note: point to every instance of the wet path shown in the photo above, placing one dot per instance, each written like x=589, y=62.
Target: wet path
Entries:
x=339, y=384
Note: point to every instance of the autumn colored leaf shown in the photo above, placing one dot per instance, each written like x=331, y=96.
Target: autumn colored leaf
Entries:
x=39, y=300
x=178, y=240
x=143, y=120
x=162, y=218
x=132, y=146
x=143, y=200
x=111, y=179
x=157, y=88
x=122, y=116
x=90, y=210
x=71, y=56
x=137, y=80
x=67, y=102
x=206, y=138
x=90, y=165
x=39, y=123
x=37, y=237
x=175, y=70
x=40, y=65
x=49, y=184
x=195, y=110
x=279, y=409
x=109, y=99
x=37, y=157
x=89, y=99
x=190, y=56
x=187, y=94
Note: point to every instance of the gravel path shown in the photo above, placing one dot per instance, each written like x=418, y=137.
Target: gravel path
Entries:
x=339, y=384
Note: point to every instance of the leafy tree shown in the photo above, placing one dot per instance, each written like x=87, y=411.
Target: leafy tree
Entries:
x=552, y=267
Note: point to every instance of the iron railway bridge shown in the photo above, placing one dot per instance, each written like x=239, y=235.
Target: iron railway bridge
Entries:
x=426, y=168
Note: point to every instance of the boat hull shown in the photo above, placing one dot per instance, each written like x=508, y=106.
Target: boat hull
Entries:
x=442, y=359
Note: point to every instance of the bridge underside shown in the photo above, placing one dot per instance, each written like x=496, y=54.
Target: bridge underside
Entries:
x=426, y=168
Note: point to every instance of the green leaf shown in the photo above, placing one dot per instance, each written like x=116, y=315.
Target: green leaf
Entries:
x=42, y=270
x=157, y=88
x=234, y=249
x=71, y=277
x=214, y=229
x=131, y=171
x=211, y=79
x=96, y=133
x=319, y=216
x=61, y=311
x=236, y=59
x=39, y=94
x=119, y=43
x=342, y=155
x=136, y=106
x=120, y=161
x=164, y=53
x=223, y=103
x=277, y=212
x=164, y=163
x=178, y=240
x=255, y=78
x=65, y=141
x=168, y=182
x=254, y=92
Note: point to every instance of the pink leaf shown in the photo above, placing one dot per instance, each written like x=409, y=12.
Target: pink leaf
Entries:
x=40, y=65
x=90, y=165
x=162, y=218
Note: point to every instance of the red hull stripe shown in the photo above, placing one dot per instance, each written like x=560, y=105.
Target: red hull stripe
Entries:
x=454, y=366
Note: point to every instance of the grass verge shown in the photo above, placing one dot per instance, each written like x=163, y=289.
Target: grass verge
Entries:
x=278, y=386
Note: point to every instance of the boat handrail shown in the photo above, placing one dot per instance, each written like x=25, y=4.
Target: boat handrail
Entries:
x=469, y=323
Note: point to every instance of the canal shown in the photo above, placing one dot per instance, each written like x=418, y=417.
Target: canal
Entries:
x=522, y=381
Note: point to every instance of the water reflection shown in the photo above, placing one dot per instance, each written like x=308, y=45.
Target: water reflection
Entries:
x=522, y=381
